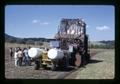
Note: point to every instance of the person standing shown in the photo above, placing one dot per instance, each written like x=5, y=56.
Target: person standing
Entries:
x=27, y=58
x=20, y=57
x=16, y=58
x=24, y=57
x=11, y=52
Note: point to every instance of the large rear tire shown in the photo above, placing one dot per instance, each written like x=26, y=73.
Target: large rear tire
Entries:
x=78, y=60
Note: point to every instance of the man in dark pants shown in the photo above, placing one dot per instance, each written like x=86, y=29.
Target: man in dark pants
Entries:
x=11, y=52
x=20, y=57
x=26, y=57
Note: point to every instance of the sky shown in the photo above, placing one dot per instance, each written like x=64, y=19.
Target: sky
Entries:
x=27, y=21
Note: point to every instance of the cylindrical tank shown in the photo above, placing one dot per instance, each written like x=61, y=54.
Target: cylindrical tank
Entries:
x=55, y=53
x=70, y=48
x=34, y=52
x=73, y=31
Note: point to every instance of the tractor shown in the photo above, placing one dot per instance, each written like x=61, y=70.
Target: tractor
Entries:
x=69, y=48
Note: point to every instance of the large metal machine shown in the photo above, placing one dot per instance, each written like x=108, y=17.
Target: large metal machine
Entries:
x=70, y=47
x=73, y=38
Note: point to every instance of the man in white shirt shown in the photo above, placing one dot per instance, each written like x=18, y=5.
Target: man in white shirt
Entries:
x=20, y=57
x=16, y=58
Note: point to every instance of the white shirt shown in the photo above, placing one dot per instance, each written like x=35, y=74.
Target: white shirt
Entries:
x=19, y=53
x=15, y=55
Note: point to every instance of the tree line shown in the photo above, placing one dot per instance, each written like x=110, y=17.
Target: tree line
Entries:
x=105, y=45
x=39, y=41
x=33, y=41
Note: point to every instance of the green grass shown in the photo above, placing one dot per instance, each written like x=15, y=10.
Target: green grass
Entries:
x=99, y=70
x=8, y=45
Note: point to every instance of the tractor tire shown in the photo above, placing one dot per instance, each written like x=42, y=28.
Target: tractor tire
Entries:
x=62, y=64
x=37, y=65
x=78, y=60
x=44, y=66
x=53, y=67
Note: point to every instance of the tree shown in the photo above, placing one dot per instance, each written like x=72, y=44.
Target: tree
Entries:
x=30, y=42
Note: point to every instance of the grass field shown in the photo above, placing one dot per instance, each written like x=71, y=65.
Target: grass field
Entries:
x=101, y=66
x=8, y=45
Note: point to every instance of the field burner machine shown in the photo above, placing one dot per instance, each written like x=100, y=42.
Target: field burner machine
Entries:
x=69, y=48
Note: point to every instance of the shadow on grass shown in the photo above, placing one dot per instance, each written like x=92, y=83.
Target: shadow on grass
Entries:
x=95, y=61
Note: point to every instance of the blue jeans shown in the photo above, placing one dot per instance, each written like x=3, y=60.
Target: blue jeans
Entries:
x=27, y=60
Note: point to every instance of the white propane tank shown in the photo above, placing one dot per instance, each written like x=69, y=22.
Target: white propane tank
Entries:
x=73, y=31
x=55, y=53
x=68, y=31
x=34, y=52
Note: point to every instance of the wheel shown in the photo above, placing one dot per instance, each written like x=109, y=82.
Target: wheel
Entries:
x=53, y=67
x=72, y=60
x=78, y=60
x=37, y=65
x=63, y=63
x=44, y=66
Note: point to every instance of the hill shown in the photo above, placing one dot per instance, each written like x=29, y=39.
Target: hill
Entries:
x=12, y=39
x=9, y=37
x=39, y=41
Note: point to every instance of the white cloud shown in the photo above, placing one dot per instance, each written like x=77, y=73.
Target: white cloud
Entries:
x=102, y=28
x=44, y=23
x=40, y=22
x=35, y=21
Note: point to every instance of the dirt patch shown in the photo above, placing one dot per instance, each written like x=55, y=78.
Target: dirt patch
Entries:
x=28, y=72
